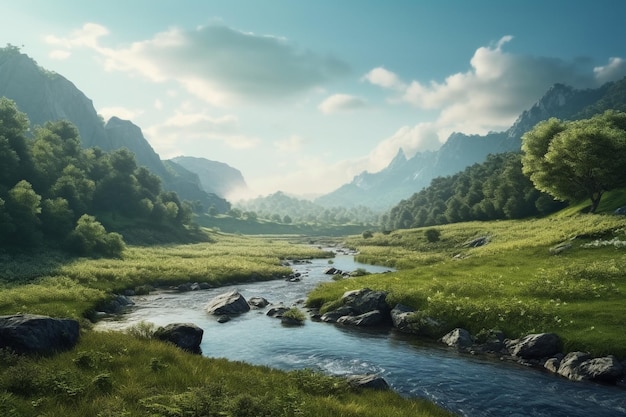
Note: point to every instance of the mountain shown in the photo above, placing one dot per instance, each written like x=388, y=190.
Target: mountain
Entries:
x=47, y=96
x=215, y=177
x=404, y=177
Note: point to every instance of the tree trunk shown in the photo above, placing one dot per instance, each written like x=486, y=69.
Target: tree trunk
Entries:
x=595, y=201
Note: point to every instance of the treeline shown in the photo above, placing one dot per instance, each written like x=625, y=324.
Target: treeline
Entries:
x=51, y=189
x=494, y=189
x=281, y=208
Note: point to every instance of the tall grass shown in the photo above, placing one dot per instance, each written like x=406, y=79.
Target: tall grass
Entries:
x=513, y=283
x=114, y=374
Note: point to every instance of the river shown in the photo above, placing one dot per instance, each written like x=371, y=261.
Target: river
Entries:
x=464, y=384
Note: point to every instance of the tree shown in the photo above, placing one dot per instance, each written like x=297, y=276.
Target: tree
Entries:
x=578, y=159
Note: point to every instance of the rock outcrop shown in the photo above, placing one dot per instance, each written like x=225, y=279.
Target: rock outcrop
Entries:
x=186, y=336
x=370, y=381
x=535, y=346
x=231, y=303
x=34, y=334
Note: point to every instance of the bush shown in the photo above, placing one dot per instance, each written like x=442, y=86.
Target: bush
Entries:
x=367, y=234
x=90, y=238
x=432, y=235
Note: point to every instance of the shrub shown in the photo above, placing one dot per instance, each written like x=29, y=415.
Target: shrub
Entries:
x=367, y=234
x=432, y=235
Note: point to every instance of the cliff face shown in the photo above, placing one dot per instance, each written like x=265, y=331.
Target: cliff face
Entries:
x=47, y=96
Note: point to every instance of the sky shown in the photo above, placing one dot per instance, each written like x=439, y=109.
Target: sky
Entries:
x=301, y=96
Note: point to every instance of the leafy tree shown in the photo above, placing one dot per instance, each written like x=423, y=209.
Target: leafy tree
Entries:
x=57, y=219
x=23, y=206
x=90, y=238
x=578, y=159
x=15, y=160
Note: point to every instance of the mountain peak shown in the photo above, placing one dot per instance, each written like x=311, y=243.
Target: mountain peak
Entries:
x=398, y=160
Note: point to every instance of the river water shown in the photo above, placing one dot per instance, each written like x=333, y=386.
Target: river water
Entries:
x=464, y=384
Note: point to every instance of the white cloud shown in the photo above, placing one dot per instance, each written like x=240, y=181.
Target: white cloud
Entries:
x=59, y=54
x=341, y=102
x=219, y=64
x=184, y=129
x=614, y=70
x=489, y=96
x=383, y=78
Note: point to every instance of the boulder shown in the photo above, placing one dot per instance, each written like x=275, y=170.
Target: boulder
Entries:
x=277, y=311
x=621, y=211
x=333, y=316
x=407, y=320
x=535, y=346
x=333, y=271
x=400, y=315
x=369, y=381
x=371, y=318
x=258, y=302
x=365, y=300
x=34, y=334
x=117, y=304
x=186, y=336
x=458, y=338
x=580, y=366
x=230, y=303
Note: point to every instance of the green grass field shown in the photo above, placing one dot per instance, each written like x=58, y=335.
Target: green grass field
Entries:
x=117, y=374
x=514, y=283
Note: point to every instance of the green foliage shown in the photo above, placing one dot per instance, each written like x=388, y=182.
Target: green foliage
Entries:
x=294, y=313
x=90, y=238
x=432, y=235
x=578, y=159
x=275, y=207
x=512, y=283
x=495, y=189
x=49, y=182
x=111, y=374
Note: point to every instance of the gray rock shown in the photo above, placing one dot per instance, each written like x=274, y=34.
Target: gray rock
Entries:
x=371, y=318
x=277, y=311
x=400, y=315
x=535, y=346
x=458, y=338
x=117, y=304
x=223, y=319
x=34, y=334
x=552, y=365
x=369, y=381
x=333, y=316
x=568, y=367
x=258, y=302
x=230, y=303
x=365, y=300
x=186, y=336
x=620, y=211
x=579, y=366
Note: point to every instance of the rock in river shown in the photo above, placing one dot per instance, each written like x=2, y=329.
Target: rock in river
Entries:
x=230, y=303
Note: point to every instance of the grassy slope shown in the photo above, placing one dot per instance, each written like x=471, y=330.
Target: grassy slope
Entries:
x=115, y=374
x=514, y=283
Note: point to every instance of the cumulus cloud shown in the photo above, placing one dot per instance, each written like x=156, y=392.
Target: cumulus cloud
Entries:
x=341, y=102
x=184, y=128
x=489, y=96
x=383, y=78
x=218, y=64
x=614, y=70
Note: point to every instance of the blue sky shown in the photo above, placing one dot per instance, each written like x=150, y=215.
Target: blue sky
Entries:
x=301, y=96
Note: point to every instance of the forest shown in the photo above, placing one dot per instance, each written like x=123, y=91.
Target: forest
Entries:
x=53, y=192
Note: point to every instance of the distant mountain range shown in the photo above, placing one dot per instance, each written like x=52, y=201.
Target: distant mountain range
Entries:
x=47, y=96
x=403, y=177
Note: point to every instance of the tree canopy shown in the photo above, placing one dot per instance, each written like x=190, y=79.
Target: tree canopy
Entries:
x=52, y=190
x=575, y=160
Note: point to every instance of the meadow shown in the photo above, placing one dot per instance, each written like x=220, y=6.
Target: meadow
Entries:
x=562, y=274
x=114, y=374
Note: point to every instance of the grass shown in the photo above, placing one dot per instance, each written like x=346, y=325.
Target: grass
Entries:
x=56, y=285
x=117, y=374
x=514, y=283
